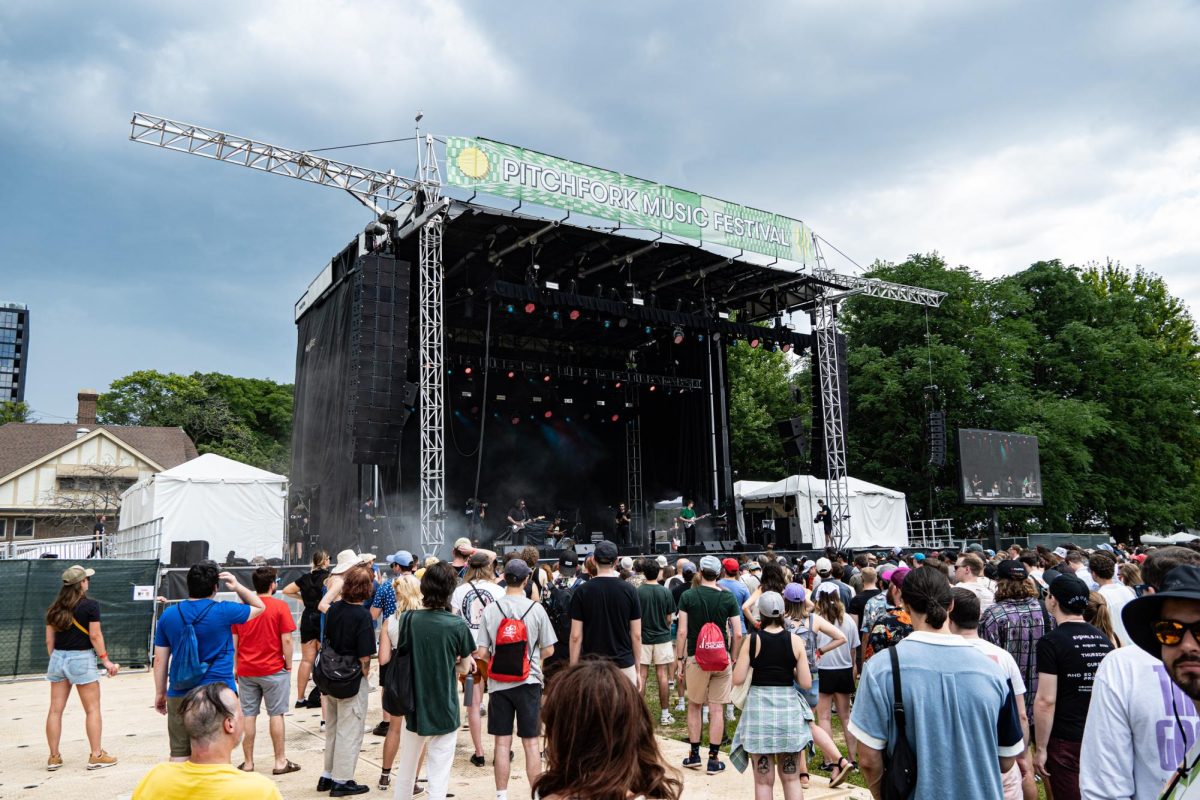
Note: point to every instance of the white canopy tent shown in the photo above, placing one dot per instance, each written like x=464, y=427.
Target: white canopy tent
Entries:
x=878, y=515
x=231, y=505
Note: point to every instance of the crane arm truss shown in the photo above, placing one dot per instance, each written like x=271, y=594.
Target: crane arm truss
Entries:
x=187, y=138
x=873, y=287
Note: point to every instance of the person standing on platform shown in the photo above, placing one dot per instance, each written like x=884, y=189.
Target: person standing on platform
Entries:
x=97, y=550
x=658, y=609
x=824, y=518
x=621, y=524
x=606, y=617
x=687, y=518
x=264, y=670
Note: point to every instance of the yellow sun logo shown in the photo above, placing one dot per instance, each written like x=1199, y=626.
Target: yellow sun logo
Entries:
x=473, y=162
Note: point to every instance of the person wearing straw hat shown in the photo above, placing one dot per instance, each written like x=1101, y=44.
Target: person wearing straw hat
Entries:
x=74, y=643
x=333, y=585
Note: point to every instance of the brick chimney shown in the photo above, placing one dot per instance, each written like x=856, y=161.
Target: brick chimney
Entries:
x=87, y=407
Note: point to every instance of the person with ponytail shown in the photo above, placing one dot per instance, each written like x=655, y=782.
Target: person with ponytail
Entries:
x=74, y=644
x=945, y=685
x=1100, y=617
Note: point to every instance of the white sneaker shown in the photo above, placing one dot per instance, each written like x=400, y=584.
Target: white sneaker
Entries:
x=667, y=719
x=681, y=706
x=729, y=713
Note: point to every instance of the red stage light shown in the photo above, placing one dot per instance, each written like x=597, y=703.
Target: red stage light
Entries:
x=653, y=387
x=546, y=378
x=617, y=385
x=786, y=347
x=574, y=315
x=530, y=308
x=515, y=419
x=512, y=374
x=754, y=342
x=615, y=417
x=548, y=414
x=468, y=371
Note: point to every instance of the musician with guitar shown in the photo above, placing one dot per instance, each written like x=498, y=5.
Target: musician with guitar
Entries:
x=688, y=519
x=518, y=518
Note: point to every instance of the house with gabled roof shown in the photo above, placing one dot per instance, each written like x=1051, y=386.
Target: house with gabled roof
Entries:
x=59, y=479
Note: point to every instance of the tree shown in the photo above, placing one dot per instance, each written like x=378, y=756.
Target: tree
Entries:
x=14, y=411
x=246, y=419
x=764, y=388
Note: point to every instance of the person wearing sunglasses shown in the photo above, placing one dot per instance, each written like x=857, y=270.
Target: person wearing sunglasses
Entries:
x=1166, y=625
x=1067, y=660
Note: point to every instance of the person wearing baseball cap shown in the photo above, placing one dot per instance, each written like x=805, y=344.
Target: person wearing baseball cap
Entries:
x=706, y=687
x=77, y=644
x=606, y=618
x=885, y=622
x=731, y=582
x=1067, y=659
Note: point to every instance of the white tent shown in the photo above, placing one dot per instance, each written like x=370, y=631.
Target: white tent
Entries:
x=878, y=516
x=231, y=505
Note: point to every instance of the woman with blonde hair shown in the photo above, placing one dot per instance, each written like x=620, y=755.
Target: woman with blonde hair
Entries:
x=1096, y=614
x=408, y=598
x=74, y=643
x=1131, y=575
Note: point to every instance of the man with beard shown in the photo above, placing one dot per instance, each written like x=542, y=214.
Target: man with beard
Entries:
x=1166, y=625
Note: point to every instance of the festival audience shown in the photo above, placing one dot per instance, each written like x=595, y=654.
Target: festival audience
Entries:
x=658, y=612
x=1116, y=594
x=477, y=591
x=407, y=589
x=968, y=571
x=606, y=618
x=348, y=632
x=837, y=670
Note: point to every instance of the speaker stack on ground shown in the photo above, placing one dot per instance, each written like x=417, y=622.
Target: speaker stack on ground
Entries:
x=381, y=396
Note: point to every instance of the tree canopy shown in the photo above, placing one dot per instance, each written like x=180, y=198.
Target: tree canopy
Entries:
x=14, y=411
x=247, y=419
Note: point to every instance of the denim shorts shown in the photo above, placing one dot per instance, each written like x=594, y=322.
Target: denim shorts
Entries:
x=76, y=666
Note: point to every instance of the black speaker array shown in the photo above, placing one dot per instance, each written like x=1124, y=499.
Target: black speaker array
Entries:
x=791, y=437
x=937, y=438
x=381, y=396
x=819, y=466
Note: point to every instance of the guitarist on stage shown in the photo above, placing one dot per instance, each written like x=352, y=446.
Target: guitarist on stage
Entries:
x=518, y=518
x=687, y=518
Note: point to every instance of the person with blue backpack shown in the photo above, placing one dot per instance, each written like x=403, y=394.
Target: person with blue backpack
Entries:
x=193, y=645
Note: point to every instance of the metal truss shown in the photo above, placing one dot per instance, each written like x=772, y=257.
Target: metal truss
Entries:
x=432, y=363
x=837, y=486
x=872, y=287
x=633, y=469
x=568, y=371
x=361, y=182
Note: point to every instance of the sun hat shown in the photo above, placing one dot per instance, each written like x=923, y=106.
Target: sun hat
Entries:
x=898, y=576
x=685, y=567
x=918, y=556
x=568, y=560
x=1061, y=552
x=887, y=572
x=770, y=605
x=755, y=566
x=794, y=593
x=807, y=565
x=661, y=561
x=1139, y=616
x=626, y=562
x=897, y=550
x=463, y=545
x=347, y=559
x=74, y=574
x=479, y=560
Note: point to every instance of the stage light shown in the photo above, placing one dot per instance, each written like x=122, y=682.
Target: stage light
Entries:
x=468, y=371
x=754, y=341
x=554, y=315
x=647, y=330
x=545, y=378
x=510, y=308
x=653, y=387
x=786, y=347
x=622, y=323
x=615, y=417
x=717, y=336
x=574, y=315
x=618, y=385
x=548, y=415
x=607, y=324
x=677, y=335
x=516, y=420
x=512, y=374
x=699, y=337
x=530, y=308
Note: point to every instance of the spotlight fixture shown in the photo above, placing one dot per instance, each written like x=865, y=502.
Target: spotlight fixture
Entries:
x=607, y=324
x=677, y=335
x=546, y=378
x=755, y=341
x=548, y=415
x=554, y=315
x=716, y=336
x=511, y=374
x=530, y=307
x=653, y=387
x=615, y=417
x=574, y=315
x=468, y=371
x=786, y=347
x=516, y=420
x=622, y=323
x=510, y=308
x=647, y=330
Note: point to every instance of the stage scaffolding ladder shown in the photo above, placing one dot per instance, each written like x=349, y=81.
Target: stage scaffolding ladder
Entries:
x=432, y=355
x=633, y=466
x=837, y=487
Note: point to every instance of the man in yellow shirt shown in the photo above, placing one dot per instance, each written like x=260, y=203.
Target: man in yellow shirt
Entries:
x=212, y=717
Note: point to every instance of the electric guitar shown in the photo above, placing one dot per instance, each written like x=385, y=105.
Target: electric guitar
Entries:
x=517, y=527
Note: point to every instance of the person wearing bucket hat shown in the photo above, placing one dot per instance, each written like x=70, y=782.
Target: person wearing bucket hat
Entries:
x=74, y=643
x=1067, y=659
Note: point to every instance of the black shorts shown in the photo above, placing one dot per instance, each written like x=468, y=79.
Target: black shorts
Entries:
x=836, y=681
x=310, y=626
x=523, y=702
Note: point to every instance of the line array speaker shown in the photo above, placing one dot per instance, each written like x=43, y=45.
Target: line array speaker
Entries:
x=381, y=396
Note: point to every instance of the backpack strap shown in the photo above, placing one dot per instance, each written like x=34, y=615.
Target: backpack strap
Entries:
x=898, y=697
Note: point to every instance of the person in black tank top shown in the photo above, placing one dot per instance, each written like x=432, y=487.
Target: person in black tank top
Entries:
x=309, y=589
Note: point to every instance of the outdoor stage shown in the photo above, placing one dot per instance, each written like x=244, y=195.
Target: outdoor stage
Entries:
x=583, y=368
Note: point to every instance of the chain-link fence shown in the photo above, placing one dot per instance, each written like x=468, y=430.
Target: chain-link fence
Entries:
x=30, y=586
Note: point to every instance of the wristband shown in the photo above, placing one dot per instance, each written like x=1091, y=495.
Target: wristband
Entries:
x=102, y=656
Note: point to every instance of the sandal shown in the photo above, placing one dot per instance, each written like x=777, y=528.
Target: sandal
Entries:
x=804, y=776
x=288, y=768
x=242, y=767
x=840, y=773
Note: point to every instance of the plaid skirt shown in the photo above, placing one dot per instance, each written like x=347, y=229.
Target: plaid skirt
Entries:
x=776, y=719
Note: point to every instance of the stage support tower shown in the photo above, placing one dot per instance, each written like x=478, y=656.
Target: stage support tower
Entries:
x=432, y=360
x=633, y=468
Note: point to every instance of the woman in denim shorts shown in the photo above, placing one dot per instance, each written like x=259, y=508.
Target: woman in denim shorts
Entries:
x=74, y=643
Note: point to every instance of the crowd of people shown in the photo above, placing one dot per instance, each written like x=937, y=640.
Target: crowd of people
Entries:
x=969, y=674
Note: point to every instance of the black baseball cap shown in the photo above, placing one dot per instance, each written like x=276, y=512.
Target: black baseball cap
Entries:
x=568, y=559
x=606, y=552
x=1012, y=571
x=1070, y=592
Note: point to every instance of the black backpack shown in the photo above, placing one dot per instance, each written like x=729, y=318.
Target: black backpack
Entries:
x=335, y=674
x=557, y=603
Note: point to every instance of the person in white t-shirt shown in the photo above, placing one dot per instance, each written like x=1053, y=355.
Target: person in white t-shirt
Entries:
x=968, y=570
x=1115, y=593
x=1018, y=782
x=477, y=591
x=1132, y=742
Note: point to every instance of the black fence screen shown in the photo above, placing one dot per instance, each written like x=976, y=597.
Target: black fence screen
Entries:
x=30, y=586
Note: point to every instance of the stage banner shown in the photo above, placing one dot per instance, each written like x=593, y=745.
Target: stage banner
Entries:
x=507, y=171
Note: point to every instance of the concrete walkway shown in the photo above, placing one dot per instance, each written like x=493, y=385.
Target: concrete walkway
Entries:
x=137, y=736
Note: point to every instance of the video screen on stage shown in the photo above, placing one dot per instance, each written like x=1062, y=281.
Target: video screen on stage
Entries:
x=999, y=469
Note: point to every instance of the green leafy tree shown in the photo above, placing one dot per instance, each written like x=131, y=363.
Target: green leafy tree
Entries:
x=764, y=388
x=14, y=411
x=245, y=419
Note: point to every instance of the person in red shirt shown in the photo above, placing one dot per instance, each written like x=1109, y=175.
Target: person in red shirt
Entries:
x=264, y=662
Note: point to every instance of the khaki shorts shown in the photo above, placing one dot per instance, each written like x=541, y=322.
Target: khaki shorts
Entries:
x=658, y=654
x=177, y=736
x=705, y=687
x=631, y=672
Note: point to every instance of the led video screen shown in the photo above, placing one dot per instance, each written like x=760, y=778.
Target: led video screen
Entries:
x=999, y=469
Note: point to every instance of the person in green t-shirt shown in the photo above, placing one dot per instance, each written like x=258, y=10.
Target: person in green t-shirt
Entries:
x=444, y=641
x=687, y=518
x=658, y=607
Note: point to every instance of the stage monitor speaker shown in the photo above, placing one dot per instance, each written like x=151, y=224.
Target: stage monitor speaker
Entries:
x=712, y=547
x=793, y=448
x=512, y=548
x=197, y=551
x=729, y=545
x=584, y=550
x=179, y=554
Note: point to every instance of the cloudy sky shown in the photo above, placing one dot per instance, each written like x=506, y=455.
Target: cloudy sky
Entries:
x=995, y=133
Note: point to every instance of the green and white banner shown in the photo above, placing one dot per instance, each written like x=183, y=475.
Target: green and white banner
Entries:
x=500, y=169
